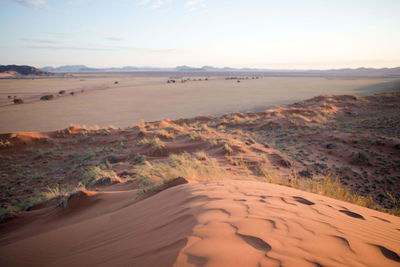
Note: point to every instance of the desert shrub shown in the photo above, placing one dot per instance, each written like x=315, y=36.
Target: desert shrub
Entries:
x=61, y=92
x=18, y=101
x=97, y=176
x=140, y=158
x=47, y=97
x=360, y=157
x=344, y=169
x=72, y=93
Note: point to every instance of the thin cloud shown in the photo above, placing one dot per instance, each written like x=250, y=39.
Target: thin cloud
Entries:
x=114, y=38
x=92, y=47
x=46, y=47
x=40, y=41
x=153, y=3
x=39, y=4
x=60, y=35
x=195, y=4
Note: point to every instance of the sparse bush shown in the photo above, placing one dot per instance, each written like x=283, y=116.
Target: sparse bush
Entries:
x=18, y=101
x=47, y=97
x=140, y=158
x=61, y=92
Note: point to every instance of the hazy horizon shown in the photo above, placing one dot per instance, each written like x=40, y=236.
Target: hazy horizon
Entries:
x=167, y=33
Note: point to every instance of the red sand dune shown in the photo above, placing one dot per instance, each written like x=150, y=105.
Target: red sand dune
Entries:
x=225, y=223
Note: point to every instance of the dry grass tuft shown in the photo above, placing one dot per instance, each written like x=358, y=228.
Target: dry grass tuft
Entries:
x=199, y=167
x=156, y=145
x=97, y=176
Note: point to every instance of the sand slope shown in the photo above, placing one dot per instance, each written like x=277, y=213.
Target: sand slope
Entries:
x=225, y=223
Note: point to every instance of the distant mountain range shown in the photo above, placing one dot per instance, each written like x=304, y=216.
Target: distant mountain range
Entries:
x=83, y=68
x=16, y=71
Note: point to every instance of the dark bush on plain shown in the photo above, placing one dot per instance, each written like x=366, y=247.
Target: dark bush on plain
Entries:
x=18, y=101
x=47, y=97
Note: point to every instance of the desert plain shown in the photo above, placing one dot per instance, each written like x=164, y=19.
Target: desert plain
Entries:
x=123, y=99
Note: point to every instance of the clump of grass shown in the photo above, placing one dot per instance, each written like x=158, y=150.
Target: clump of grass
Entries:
x=5, y=144
x=201, y=155
x=155, y=143
x=344, y=169
x=396, y=209
x=360, y=157
x=227, y=149
x=205, y=128
x=269, y=175
x=329, y=186
x=165, y=134
x=178, y=165
x=60, y=192
x=96, y=176
x=194, y=135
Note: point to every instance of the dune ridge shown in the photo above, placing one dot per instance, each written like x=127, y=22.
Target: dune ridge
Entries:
x=224, y=223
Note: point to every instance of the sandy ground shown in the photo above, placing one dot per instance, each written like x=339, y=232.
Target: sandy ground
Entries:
x=228, y=223
x=105, y=103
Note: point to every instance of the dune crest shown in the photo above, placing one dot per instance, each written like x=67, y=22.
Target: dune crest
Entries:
x=225, y=223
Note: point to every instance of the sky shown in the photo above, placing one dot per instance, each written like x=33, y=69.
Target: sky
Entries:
x=272, y=34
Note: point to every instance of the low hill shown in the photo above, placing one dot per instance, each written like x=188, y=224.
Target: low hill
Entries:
x=18, y=70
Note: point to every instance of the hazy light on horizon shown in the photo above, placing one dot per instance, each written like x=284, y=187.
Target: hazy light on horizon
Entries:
x=308, y=34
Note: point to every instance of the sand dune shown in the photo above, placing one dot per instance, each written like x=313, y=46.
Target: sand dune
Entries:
x=225, y=223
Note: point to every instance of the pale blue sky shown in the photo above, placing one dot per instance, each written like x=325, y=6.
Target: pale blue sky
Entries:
x=284, y=34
